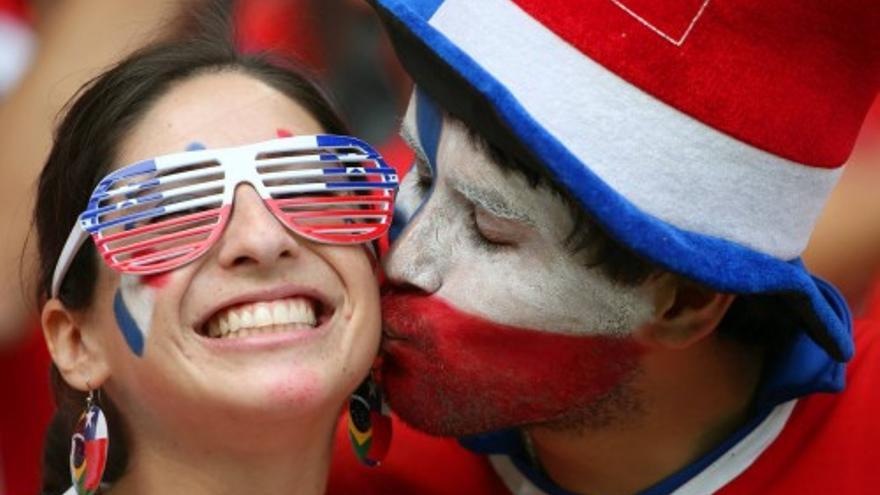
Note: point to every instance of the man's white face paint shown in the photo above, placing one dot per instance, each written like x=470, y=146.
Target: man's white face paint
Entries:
x=494, y=246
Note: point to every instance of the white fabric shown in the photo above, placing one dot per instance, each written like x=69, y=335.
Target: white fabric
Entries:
x=665, y=162
x=721, y=472
x=736, y=460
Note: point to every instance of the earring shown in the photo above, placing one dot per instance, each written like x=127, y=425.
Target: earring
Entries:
x=369, y=423
x=88, y=448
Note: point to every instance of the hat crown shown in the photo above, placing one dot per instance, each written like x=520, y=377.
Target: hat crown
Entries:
x=791, y=77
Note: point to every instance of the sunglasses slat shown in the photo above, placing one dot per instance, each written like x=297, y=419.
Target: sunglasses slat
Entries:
x=322, y=200
x=192, y=203
x=346, y=228
x=128, y=203
x=325, y=172
x=334, y=214
x=160, y=239
x=329, y=187
x=297, y=188
x=156, y=180
x=153, y=213
x=360, y=186
x=130, y=264
x=192, y=189
x=165, y=259
x=263, y=163
x=345, y=235
x=160, y=225
x=169, y=177
x=155, y=198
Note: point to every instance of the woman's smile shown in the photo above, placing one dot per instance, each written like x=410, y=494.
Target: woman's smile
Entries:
x=285, y=308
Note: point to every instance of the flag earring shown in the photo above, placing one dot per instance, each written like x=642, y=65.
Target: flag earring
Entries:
x=369, y=423
x=88, y=448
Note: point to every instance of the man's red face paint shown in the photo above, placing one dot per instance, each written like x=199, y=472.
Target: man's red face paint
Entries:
x=451, y=373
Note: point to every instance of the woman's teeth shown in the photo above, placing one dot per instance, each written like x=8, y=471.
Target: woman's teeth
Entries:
x=262, y=317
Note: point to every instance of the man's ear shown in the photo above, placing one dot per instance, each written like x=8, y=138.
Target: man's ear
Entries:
x=685, y=312
x=77, y=354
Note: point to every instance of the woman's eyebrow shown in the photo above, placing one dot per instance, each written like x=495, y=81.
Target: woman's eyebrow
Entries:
x=492, y=201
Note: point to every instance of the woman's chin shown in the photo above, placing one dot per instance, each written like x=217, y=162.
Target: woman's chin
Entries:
x=294, y=395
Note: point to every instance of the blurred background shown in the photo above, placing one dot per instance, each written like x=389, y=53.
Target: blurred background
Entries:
x=49, y=48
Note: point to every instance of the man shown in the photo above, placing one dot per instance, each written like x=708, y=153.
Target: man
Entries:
x=598, y=287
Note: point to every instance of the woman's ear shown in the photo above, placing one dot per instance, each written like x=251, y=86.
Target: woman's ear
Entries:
x=77, y=354
x=685, y=312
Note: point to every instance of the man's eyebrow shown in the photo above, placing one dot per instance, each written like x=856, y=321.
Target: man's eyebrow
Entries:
x=413, y=143
x=492, y=201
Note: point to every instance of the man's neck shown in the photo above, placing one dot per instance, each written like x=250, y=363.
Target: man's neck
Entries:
x=689, y=401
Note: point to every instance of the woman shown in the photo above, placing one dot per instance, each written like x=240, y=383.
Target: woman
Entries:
x=242, y=308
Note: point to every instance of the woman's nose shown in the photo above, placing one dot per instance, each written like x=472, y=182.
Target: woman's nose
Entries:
x=253, y=236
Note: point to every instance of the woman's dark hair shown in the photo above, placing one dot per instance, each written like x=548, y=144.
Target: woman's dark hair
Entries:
x=85, y=145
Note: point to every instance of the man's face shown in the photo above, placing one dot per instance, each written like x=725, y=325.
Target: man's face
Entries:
x=493, y=321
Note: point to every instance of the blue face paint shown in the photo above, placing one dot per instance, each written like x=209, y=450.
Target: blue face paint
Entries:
x=398, y=223
x=429, y=122
x=134, y=336
x=195, y=146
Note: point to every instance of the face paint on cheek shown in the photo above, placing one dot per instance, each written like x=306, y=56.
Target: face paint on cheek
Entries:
x=133, y=310
x=156, y=281
x=453, y=374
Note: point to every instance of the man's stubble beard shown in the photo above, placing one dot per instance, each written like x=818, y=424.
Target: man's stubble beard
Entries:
x=618, y=409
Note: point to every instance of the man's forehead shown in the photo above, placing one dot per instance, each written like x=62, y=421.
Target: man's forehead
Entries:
x=462, y=154
x=425, y=125
x=465, y=165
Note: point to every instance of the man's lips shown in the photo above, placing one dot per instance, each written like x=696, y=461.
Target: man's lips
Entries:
x=406, y=320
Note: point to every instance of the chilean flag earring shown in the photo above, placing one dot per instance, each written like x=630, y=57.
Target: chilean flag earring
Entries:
x=88, y=448
x=369, y=423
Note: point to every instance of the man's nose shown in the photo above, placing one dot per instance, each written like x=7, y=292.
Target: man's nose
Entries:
x=414, y=258
x=253, y=236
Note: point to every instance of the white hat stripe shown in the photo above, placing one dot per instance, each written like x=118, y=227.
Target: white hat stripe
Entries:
x=663, y=161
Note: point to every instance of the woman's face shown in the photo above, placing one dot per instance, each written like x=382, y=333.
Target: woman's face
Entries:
x=306, y=314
